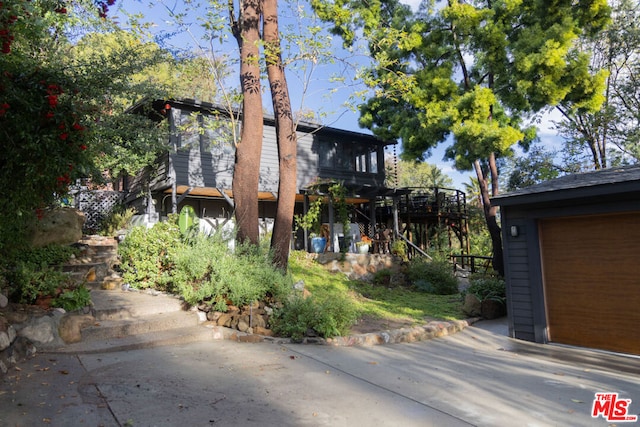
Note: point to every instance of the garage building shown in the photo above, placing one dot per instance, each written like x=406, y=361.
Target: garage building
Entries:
x=572, y=260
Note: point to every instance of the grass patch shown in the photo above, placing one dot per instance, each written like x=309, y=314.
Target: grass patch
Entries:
x=382, y=301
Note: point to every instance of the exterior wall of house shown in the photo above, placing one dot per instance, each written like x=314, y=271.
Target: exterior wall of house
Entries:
x=205, y=157
x=523, y=265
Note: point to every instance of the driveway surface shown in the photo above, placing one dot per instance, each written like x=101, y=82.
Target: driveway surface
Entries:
x=476, y=377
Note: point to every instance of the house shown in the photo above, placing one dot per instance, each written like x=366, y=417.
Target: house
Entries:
x=198, y=168
x=197, y=171
x=572, y=260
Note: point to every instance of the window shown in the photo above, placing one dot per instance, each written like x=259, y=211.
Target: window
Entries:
x=207, y=133
x=349, y=156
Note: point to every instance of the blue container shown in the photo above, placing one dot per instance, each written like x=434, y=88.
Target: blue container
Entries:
x=318, y=244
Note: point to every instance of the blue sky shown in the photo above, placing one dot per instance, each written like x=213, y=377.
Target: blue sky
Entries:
x=324, y=95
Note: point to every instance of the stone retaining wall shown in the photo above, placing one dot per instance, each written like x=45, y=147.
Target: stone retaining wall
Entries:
x=357, y=266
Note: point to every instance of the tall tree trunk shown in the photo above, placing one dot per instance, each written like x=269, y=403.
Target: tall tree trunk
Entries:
x=248, y=150
x=490, y=212
x=285, y=134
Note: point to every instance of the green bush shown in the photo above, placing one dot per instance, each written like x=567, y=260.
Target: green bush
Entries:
x=327, y=317
x=433, y=276
x=208, y=272
x=118, y=219
x=49, y=256
x=147, y=255
x=73, y=299
x=200, y=268
x=36, y=272
x=487, y=287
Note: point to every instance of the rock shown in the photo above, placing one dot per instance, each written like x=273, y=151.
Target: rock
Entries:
x=243, y=323
x=491, y=309
x=7, y=335
x=472, y=306
x=71, y=326
x=5, y=342
x=262, y=331
x=359, y=270
x=250, y=338
x=22, y=348
x=4, y=301
x=42, y=330
x=14, y=317
x=62, y=226
x=225, y=320
x=213, y=315
x=113, y=282
x=202, y=316
x=259, y=321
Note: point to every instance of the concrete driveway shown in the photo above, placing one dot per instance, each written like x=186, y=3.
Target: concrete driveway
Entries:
x=476, y=377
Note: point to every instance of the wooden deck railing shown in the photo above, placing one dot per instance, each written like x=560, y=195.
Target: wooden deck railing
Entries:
x=475, y=262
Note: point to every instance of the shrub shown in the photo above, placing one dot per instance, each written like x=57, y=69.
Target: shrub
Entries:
x=49, y=256
x=399, y=248
x=433, y=276
x=207, y=271
x=327, y=317
x=382, y=277
x=147, y=255
x=118, y=219
x=200, y=268
x=36, y=273
x=73, y=299
x=487, y=287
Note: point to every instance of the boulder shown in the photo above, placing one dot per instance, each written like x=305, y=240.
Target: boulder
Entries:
x=472, y=306
x=492, y=309
x=60, y=226
x=71, y=326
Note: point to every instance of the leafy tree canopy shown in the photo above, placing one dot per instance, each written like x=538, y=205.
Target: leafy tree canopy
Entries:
x=68, y=76
x=610, y=135
x=471, y=70
x=417, y=174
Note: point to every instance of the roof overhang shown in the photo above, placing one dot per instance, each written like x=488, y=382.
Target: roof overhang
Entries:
x=215, y=193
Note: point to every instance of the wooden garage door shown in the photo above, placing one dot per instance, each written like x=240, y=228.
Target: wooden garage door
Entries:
x=591, y=272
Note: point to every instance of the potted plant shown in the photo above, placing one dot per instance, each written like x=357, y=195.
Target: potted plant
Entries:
x=310, y=221
x=364, y=244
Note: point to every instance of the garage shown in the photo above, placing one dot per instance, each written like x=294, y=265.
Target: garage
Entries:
x=572, y=260
x=591, y=280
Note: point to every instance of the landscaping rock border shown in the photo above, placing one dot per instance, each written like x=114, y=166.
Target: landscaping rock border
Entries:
x=433, y=329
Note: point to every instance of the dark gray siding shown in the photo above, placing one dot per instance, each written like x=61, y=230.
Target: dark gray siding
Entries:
x=307, y=160
x=269, y=168
x=517, y=275
x=197, y=169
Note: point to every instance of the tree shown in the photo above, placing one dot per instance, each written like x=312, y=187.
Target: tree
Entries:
x=246, y=29
x=609, y=135
x=286, y=136
x=470, y=73
x=45, y=122
x=122, y=68
x=419, y=174
x=535, y=166
x=65, y=88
